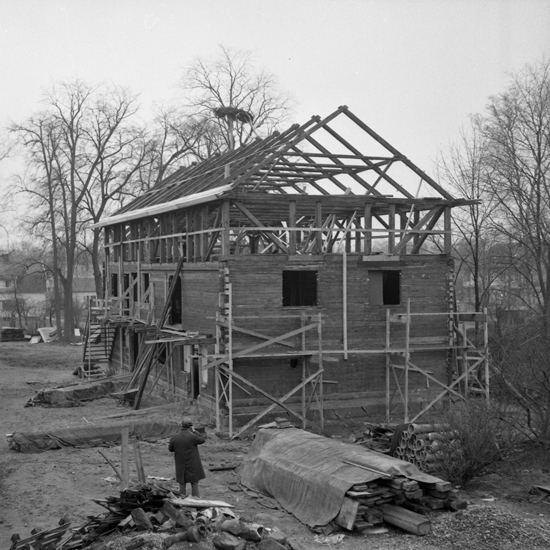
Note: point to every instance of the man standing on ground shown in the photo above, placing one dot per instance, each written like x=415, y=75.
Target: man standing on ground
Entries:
x=186, y=454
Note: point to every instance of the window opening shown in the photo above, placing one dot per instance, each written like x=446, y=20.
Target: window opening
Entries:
x=384, y=288
x=114, y=285
x=299, y=288
x=176, y=302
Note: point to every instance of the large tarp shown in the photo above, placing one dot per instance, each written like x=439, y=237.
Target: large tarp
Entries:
x=91, y=435
x=85, y=391
x=308, y=475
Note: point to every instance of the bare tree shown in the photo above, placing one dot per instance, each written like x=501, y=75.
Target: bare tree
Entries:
x=465, y=168
x=516, y=130
x=85, y=154
x=237, y=99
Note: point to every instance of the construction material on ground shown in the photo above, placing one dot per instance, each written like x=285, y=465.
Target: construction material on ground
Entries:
x=78, y=393
x=320, y=480
x=149, y=516
x=91, y=435
x=419, y=444
x=48, y=538
x=11, y=334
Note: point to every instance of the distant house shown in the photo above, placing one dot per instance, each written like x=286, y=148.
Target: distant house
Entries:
x=83, y=289
x=26, y=298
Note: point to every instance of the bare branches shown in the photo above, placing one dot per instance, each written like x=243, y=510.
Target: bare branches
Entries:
x=231, y=82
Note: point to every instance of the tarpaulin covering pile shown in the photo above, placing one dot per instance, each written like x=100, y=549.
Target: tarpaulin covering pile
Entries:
x=307, y=473
x=91, y=435
x=87, y=391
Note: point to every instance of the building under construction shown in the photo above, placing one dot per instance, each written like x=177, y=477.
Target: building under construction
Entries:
x=307, y=274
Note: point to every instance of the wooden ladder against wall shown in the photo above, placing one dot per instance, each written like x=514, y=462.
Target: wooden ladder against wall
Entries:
x=99, y=336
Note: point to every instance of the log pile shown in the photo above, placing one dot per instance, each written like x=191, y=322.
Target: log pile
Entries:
x=398, y=501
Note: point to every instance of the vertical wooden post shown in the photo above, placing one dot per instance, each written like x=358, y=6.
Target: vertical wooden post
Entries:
x=367, y=249
x=107, y=283
x=217, y=372
x=318, y=226
x=304, y=374
x=448, y=234
x=230, y=357
x=357, y=237
x=121, y=338
x=465, y=359
x=388, y=366
x=416, y=236
x=139, y=464
x=403, y=223
x=225, y=246
x=345, y=303
x=391, y=234
x=204, y=235
x=321, y=405
x=291, y=226
x=486, y=352
x=407, y=359
x=124, y=462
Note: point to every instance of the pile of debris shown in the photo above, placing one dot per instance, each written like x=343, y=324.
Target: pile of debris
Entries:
x=151, y=516
x=11, y=334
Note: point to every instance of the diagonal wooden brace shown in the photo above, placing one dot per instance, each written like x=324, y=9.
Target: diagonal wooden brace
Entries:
x=447, y=388
x=276, y=402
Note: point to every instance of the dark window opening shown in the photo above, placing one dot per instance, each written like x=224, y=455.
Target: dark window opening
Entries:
x=145, y=285
x=133, y=279
x=175, y=302
x=125, y=287
x=384, y=288
x=114, y=285
x=299, y=288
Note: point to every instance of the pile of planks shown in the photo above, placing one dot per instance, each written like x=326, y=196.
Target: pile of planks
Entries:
x=398, y=501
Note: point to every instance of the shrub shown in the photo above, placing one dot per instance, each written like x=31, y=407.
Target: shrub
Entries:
x=478, y=436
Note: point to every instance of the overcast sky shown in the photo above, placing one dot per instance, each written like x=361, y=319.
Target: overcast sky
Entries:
x=413, y=70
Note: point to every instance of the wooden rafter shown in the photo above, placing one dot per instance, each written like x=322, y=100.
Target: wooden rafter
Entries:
x=259, y=225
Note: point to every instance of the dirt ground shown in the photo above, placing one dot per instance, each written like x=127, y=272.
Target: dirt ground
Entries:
x=39, y=489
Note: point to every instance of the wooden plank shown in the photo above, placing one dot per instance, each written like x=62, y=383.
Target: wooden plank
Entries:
x=348, y=514
x=125, y=465
x=406, y=519
x=139, y=464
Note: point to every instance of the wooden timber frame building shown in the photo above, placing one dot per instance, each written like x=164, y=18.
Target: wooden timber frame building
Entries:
x=307, y=274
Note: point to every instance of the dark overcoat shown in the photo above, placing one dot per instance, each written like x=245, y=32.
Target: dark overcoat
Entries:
x=188, y=461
